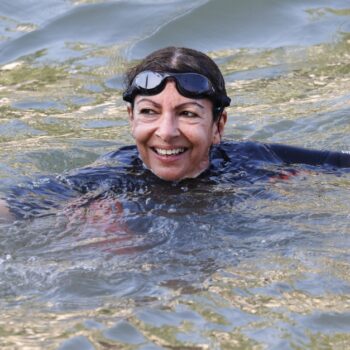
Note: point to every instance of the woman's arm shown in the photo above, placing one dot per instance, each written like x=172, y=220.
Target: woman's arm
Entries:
x=5, y=214
x=297, y=155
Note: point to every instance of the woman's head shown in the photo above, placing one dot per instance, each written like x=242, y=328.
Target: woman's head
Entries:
x=177, y=98
x=178, y=60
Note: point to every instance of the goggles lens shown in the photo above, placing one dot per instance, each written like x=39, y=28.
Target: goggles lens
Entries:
x=188, y=84
x=147, y=80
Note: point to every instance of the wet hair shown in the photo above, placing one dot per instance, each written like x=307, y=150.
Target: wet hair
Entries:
x=181, y=60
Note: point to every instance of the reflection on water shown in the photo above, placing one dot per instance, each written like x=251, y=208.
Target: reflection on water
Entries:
x=260, y=266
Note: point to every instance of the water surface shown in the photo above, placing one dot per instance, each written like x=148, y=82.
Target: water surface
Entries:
x=248, y=266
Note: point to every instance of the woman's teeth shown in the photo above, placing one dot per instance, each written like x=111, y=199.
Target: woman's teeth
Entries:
x=169, y=152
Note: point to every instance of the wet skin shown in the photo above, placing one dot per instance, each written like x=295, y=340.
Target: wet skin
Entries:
x=5, y=214
x=173, y=133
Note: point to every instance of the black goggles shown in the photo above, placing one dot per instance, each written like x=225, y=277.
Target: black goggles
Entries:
x=191, y=85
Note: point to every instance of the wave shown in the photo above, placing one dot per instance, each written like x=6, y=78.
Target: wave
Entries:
x=227, y=24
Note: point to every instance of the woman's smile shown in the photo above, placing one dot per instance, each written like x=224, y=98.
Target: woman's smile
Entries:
x=169, y=152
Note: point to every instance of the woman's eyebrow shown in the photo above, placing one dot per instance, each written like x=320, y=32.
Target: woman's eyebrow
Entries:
x=190, y=103
x=181, y=105
x=145, y=99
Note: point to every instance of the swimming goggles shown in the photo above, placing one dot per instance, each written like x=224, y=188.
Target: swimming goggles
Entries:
x=191, y=85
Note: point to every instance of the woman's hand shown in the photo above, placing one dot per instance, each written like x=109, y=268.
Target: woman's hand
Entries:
x=5, y=214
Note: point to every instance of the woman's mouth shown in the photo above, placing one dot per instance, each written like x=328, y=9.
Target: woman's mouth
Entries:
x=169, y=152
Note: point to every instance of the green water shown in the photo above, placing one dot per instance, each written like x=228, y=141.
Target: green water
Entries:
x=270, y=272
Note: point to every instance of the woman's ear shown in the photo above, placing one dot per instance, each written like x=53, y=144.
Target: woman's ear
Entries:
x=130, y=112
x=219, y=127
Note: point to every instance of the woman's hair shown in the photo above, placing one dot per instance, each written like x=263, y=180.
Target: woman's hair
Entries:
x=180, y=60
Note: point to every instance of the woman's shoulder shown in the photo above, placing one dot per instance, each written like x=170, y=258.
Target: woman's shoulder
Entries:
x=123, y=155
x=241, y=151
x=109, y=169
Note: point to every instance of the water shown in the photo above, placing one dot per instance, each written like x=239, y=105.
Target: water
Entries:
x=266, y=267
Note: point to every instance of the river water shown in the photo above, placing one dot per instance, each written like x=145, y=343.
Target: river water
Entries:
x=268, y=268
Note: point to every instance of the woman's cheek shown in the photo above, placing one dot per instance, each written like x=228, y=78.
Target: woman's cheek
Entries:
x=137, y=131
x=141, y=131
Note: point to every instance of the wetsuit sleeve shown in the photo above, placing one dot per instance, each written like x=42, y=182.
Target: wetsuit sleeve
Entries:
x=37, y=198
x=297, y=155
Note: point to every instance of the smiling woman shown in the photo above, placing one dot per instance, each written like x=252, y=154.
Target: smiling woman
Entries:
x=177, y=98
x=176, y=104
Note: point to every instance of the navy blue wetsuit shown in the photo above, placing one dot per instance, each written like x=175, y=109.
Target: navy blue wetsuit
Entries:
x=123, y=174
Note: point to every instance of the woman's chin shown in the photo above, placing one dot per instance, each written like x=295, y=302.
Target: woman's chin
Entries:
x=168, y=176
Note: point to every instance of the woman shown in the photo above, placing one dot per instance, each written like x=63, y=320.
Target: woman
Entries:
x=176, y=109
x=176, y=105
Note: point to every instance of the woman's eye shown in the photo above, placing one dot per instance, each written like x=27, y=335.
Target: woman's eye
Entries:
x=147, y=111
x=189, y=114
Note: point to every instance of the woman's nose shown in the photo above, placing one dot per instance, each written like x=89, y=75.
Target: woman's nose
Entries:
x=168, y=127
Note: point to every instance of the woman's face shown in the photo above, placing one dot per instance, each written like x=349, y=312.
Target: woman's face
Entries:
x=174, y=133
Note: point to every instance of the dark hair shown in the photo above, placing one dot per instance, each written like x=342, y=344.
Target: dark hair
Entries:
x=181, y=60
